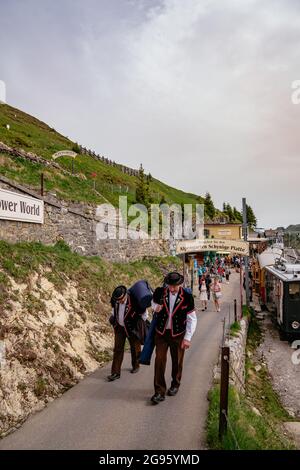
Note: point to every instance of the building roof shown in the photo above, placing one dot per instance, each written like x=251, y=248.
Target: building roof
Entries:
x=222, y=224
x=270, y=233
x=292, y=273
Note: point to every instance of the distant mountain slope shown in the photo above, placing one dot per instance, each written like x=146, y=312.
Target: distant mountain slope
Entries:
x=293, y=228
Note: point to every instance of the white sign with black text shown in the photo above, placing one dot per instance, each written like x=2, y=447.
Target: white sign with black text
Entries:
x=232, y=246
x=14, y=206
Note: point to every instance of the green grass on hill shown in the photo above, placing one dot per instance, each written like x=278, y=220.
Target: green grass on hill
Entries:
x=59, y=264
x=32, y=135
x=247, y=430
x=65, y=187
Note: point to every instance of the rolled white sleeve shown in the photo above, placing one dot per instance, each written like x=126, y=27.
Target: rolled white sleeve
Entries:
x=191, y=323
x=154, y=305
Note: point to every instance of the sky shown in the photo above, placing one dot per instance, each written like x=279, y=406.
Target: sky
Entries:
x=198, y=91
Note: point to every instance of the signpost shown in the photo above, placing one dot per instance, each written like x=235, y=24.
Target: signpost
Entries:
x=15, y=206
x=42, y=184
x=246, y=259
x=94, y=176
x=66, y=153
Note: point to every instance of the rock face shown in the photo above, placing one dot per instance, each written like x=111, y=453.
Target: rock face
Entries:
x=50, y=339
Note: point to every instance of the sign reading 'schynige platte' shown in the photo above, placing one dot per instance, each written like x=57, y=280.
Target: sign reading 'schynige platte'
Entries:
x=231, y=246
x=14, y=206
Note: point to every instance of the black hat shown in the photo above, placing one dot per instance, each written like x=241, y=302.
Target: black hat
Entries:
x=158, y=295
x=174, y=279
x=118, y=293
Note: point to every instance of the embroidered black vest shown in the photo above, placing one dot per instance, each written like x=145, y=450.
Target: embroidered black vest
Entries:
x=184, y=304
x=130, y=317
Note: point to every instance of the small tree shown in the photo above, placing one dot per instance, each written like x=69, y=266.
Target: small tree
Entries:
x=251, y=219
x=237, y=215
x=163, y=200
x=76, y=148
x=142, y=188
x=210, y=210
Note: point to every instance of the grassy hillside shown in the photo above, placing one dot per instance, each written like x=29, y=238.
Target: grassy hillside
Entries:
x=32, y=135
x=94, y=274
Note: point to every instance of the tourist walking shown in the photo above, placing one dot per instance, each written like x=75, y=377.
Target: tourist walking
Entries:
x=208, y=284
x=124, y=319
x=217, y=293
x=227, y=274
x=203, y=293
x=220, y=273
x=176, y=324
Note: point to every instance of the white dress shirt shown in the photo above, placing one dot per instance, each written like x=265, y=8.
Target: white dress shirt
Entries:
x=191, y=319
x=191, y=323
x=172, y=300
x=121, y=313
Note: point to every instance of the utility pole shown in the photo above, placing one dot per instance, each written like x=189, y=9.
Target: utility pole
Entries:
x=246, y=258
x=224, y=388
x=235, y=311
x=42, y=184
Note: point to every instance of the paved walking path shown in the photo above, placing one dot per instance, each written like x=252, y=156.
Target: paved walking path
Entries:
x=96, y=414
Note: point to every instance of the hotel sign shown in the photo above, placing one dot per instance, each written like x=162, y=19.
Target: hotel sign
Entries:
x=14, y=206
x=212, y=244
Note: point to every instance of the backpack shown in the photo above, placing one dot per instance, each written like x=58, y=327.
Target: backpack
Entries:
x=141, y=296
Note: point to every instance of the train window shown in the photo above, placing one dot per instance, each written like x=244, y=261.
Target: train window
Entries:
x=294, y=290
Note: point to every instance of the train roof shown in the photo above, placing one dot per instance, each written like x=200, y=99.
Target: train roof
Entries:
x=268, y=257
x=286, y=272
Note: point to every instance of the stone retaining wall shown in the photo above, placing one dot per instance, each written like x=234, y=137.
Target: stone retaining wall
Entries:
x=237, y=345
x=76, y=224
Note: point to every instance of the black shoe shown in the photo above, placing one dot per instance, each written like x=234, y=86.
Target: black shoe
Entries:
x=113, y=377
x=172, y=391
x=135, y=370
x=157, y=398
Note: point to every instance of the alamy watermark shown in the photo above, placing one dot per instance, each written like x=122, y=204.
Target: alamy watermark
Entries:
x=158, y=221
x=2, y=92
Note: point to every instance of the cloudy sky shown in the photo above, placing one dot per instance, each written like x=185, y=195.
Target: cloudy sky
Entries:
x=199, y=91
